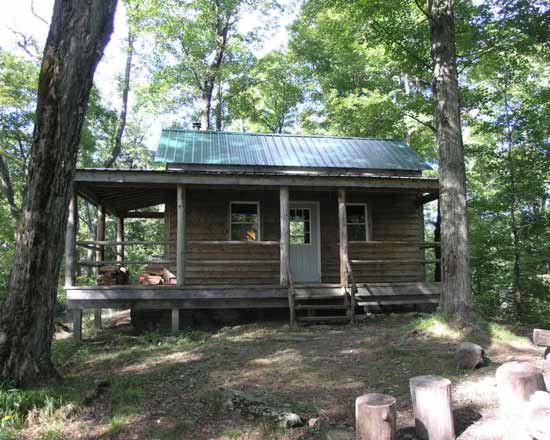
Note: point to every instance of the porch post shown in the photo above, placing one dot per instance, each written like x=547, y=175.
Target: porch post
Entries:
x=100, y=253
x=180, y=236
x=100, y=233
x=70, y=242
x=285, y=235
x=343, y=229
x=120, y=237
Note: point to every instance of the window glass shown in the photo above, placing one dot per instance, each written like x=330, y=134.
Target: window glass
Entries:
x=300, y=226
x=244, y=221
x=357, y=222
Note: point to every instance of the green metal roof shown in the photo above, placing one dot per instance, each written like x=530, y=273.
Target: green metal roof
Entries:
x=282, y=150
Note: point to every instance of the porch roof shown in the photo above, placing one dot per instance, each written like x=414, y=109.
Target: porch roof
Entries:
x=285, y=150
x=125, y=190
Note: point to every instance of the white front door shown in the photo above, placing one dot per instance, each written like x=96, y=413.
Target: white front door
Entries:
x=305, y=256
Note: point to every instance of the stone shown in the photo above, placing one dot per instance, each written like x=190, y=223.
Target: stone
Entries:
x=469, y=355
x=291, y=420
x=311, y=423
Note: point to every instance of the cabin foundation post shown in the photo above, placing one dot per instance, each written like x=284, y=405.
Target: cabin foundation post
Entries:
x=180, y=237
x=100, y=254
x=70, y=243
x=175, y=320
x=285, y=235
x=120, y=238
x=77, y=324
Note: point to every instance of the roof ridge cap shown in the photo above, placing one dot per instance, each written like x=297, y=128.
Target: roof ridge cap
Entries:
x=246, y=133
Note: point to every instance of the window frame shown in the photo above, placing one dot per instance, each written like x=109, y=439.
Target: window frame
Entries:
x=241, y=202
x=309, y=221
x=366, y=209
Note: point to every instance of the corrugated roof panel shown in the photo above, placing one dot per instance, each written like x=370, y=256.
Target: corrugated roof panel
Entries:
x=301, y=151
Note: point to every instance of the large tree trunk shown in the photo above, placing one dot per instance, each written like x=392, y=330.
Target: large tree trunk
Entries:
x=79, y=31
x=457, y=288
x=206, y=103
x=437, y=249
x=117, y=149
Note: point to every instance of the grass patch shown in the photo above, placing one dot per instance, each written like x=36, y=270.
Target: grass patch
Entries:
x=16, y=404
x=116, y=424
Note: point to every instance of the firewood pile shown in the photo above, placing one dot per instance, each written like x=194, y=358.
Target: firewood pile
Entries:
x=112, y=275
x=156, y=275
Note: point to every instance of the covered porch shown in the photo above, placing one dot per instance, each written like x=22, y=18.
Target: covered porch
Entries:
x=212, y=270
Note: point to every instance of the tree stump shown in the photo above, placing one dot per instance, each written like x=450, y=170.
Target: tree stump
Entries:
x=541, y=337
x=516, y=382
x=433, y=416
x=469, y=355
x=375, y=417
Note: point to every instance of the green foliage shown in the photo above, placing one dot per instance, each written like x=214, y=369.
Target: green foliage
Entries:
x=268, y=97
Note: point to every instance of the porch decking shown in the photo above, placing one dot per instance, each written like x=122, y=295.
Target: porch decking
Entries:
x=248, y=297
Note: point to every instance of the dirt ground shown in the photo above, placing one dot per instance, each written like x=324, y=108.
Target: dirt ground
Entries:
x=177, y=387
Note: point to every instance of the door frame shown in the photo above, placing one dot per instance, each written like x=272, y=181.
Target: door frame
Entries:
x=296, y=203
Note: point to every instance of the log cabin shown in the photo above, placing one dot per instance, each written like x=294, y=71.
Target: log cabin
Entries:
x=323, y=227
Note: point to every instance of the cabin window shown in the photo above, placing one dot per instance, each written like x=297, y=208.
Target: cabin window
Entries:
x=300, y=226
x=357, y=222
x=245, y=221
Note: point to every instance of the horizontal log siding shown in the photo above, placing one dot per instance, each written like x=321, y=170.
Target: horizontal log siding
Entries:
x=395, y=217
x=208, y=220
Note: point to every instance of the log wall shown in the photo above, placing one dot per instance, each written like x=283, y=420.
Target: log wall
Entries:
x=394, y=217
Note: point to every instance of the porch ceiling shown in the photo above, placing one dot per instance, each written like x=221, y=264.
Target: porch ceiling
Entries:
x=118, y=199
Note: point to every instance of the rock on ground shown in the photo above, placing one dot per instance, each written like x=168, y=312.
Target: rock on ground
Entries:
x=469, y=355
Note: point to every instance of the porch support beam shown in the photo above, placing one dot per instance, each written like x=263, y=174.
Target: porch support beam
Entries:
x=120, y=238
x=343, y=233
x=180, y=236
x=77, y=324
x=175, y=320
x=100, y=233
x=100, y=253
x=285, y=235
x=70, y=243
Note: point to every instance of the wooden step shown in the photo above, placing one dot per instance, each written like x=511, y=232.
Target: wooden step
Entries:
x=320, y=307
x=397, y=302
x=343, y=318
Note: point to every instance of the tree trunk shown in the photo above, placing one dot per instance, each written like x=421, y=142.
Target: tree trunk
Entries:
x=516, y=273
x=457, y=284
x=117, y=149
x=437, y=249
x=79, y=32
x=206, y=103
x=219, y=107
x=7, y=188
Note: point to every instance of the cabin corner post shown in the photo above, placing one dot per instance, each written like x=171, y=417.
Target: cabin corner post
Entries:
x=284, y=243
x=343, y=234
x=180, y=236
x=70, y=243
x=120, y=238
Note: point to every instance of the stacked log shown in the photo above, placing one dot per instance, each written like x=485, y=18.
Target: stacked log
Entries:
x=112, y=275
x=155, y=275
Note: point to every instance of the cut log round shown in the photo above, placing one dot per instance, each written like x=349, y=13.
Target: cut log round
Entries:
x=516, y=382
x=431, y=400
x=469, y=355
x=375, y=417
x=541, y=337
